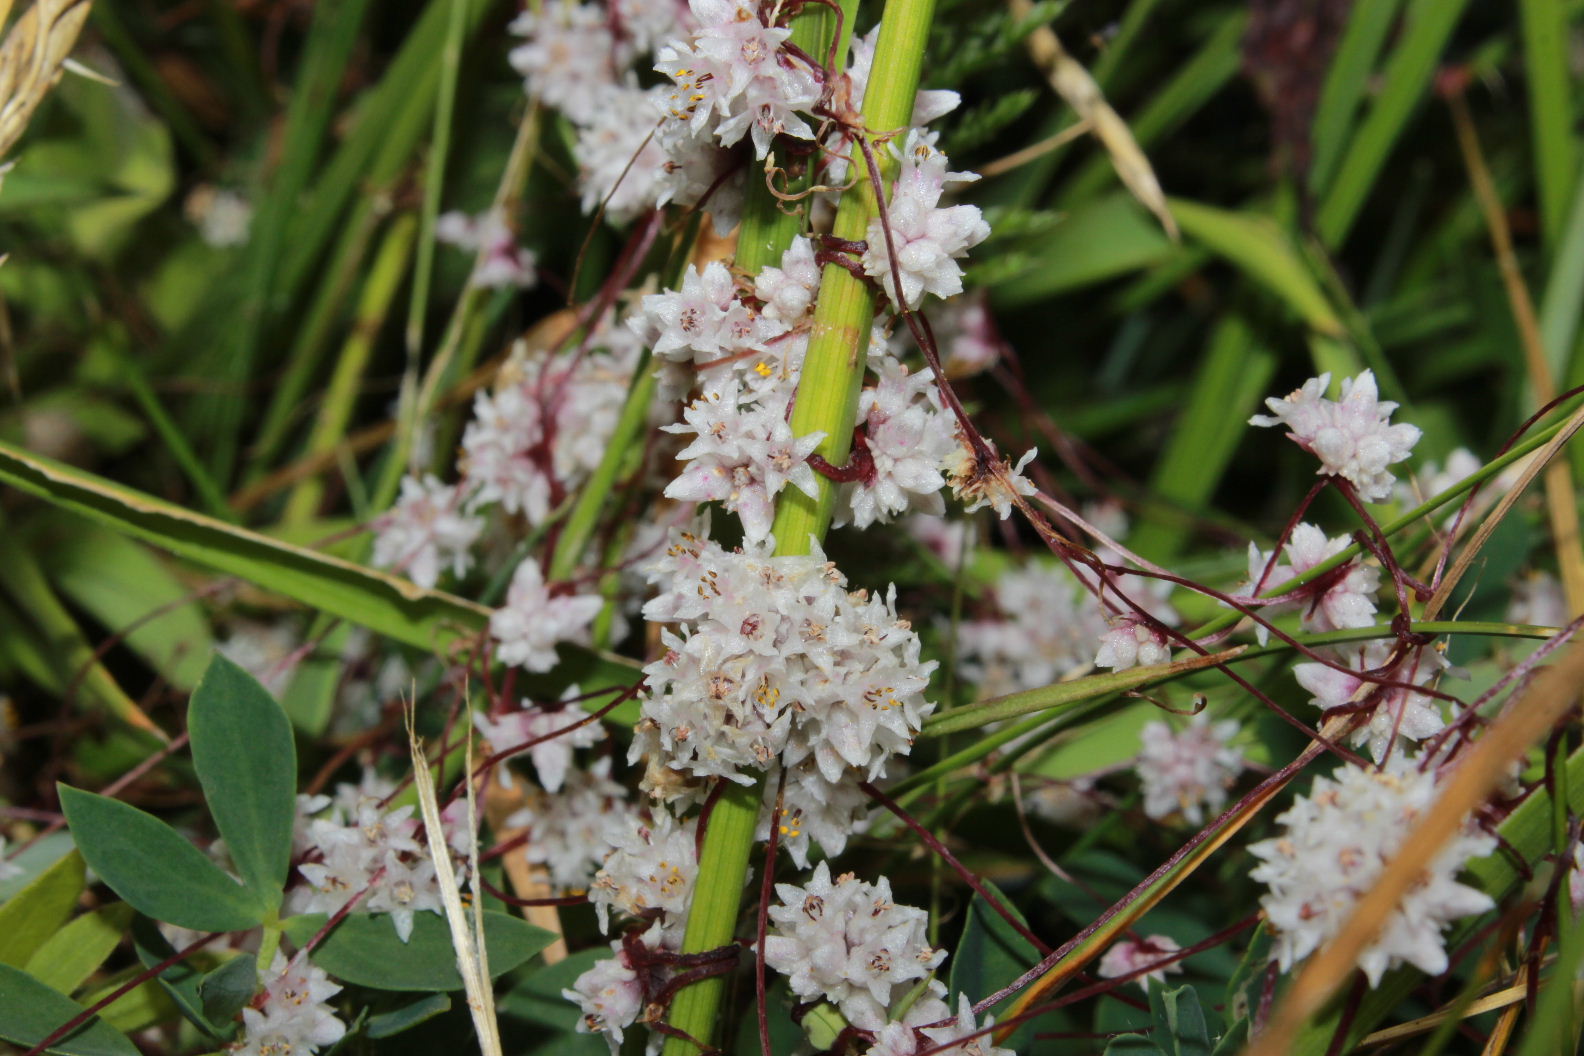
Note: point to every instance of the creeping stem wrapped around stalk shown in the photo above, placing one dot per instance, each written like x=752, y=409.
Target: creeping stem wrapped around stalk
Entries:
x=827, y=401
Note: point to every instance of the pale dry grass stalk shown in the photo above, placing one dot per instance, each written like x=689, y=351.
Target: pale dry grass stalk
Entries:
x=1073, y=83
x=31, y=59
x=467, y=937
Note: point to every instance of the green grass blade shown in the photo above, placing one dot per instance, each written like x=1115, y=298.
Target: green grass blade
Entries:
x=1345, y=84
x=1236, y=373
x=1407, y=79
x=1545, y=42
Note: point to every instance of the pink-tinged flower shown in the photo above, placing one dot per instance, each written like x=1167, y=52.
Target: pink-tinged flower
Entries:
x=611, y=994
x=1132, y=643
x=567, y=57
x=552, y=755
x=847, y=942
x=1351, y=437
x=1132, y=955
x=1188, y=771
x=426, y=532
x=1393, y=712
x=502, y=262
x=1341, y=599
x=533, y=620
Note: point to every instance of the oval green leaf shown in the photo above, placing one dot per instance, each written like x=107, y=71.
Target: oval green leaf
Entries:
x=152, y=867
x=364, y=949
x=242, y=749
x=31, y=1012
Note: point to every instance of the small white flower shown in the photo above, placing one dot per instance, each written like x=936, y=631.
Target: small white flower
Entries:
x=502, y=262
x=1538, y=599
x=1394, y=712
x=1336, y=843
x=928, y=239
x=533, y=621
x=649, y=873
x=1130, y=955
x=904, y=1039
x=846, y=942
x=569, y=832
x=567, y=57
x=1351, y=437
x=551, y=757
x=1188, y=771
x=909, y=439
x=621, y=161
x=1349, y=601
x=426, y=532
x=294, y=1012
x=1046, y=631
x=611, y=995
x=1132, y=643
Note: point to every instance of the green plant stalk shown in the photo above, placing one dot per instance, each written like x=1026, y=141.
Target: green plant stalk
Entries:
x=214, y=500
x=434, y=180
x=390, y=265
x=827, y=402
x=1545, y=37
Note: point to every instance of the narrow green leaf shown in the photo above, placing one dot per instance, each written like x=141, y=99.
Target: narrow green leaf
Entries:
x=225, y=990
x=76, y=951
x=31, y=1012
x=242, y=749
x=153, y=867
x=1099, y=239
x=384, y=603
x=1228, y=387
x=31, y=916
x=364, y=949
x=1263, y=252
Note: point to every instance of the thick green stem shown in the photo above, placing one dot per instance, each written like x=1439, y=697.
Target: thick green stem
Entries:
x=827, y=402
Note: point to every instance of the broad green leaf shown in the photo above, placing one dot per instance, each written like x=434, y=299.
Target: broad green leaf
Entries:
x=179, y=981
x=33, y=859
x=364, y=949
x=242, y=749
x=123, y=585
x=31, y=1012
x=408, y=1016
x=1179, y=1021
x=153, y=867
x=30, y=917
x=76, y=951
x=990, y=954
x=225, y=990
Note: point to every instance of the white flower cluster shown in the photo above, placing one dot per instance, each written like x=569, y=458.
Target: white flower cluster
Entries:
x=611, y=994
x=534, y=619
x=1188, y=771
x=571, y=830
x=426, y=532
x=1394, y=711
x=777, y=660
x=1345, y=598
x=1047, y=630
x=648, y=873
x=912, y=1034
x=501, y=261
x=555, y=731
x=846, y=942
x=1351, y=437
x=352, y=843
x=928, y=239
x=292, y=1013
x=1336, y=843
